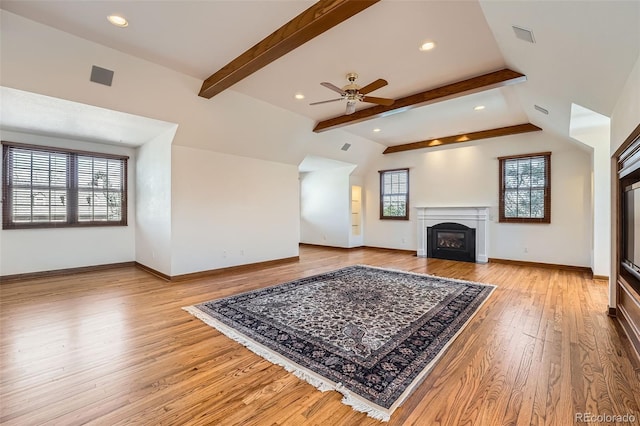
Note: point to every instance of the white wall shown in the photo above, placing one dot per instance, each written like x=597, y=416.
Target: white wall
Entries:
x=625, y=118
x=467, y=175
x=153, y=207
x=626, y=114
x=325, y=207
x=594, y=130
x=33, y=250
x=229, y=210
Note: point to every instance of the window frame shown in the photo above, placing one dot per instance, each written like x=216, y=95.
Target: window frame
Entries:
x=72, y=211
x=546, y=218
x=382, y=194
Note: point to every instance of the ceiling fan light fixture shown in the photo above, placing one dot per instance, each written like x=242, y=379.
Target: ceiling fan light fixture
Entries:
x=299, y=96
x=427, y=45
x=351, y=106
x=353, y=93
x=376, y=130
x=479, y=108
x=118, y=21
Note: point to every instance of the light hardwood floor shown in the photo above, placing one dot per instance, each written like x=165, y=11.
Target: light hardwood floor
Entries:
x=114, y=347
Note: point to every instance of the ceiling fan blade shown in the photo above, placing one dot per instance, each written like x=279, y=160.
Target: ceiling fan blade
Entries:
x=351, y=107
x=325, y=102
x=379, y=101
x=373, y=86
x=333, y=87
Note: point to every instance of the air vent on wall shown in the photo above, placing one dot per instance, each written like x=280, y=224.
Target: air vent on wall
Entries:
x=346, y=147
x=101, y=75
x=524, y=34
x=542, y=110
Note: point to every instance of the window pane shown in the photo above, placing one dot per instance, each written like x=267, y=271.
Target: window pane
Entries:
x=511, y=174
x=524, y=204
x=537, y=203
x=32, y=183
x=40, y=169
x=101, y=184
x=511, y=203
x=537, y=172
x=524, y=173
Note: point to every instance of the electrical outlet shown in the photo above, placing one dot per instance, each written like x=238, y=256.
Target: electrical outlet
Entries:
x=526, y=250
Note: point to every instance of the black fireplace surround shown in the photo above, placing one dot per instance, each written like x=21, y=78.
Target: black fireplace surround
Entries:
x=452, y=241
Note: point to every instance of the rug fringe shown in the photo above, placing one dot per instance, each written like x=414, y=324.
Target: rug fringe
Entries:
x=320, y=384
x=359, y=405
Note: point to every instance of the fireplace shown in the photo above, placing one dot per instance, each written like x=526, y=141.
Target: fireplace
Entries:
x=452, y=241
x=476, y=218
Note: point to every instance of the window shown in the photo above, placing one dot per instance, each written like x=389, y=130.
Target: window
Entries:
x=525, y=188
x=394, y=194
x=51, y=187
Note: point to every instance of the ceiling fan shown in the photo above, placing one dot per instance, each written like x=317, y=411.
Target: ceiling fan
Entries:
x=354, y=93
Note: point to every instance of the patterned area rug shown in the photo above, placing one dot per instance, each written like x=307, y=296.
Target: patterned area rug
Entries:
x=372, y=334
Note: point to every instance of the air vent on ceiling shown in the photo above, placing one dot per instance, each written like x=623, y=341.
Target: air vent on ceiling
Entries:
x=101, y=75
x=524, y=34
x=346, y=147
x=542, y=110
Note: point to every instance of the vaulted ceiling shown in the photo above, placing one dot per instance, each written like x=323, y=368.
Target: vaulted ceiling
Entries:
x=583, y=53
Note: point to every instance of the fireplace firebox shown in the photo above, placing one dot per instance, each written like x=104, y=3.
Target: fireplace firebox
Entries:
x=452, y=241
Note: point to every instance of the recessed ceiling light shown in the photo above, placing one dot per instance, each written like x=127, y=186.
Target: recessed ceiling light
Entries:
x=427, y=45
x=376, y=130
x=118, y=21
x=299, y=96
x=479, y=108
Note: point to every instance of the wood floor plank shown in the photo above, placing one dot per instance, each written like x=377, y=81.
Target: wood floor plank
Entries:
x=115, y=347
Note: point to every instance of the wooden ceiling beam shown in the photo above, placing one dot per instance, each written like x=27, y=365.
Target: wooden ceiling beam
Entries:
x=439, y=94
x=317, y=19
x=474, y=136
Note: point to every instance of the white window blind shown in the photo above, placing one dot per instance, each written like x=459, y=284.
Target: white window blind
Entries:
x=525, y=188
x=394, y=194
x=48, y=187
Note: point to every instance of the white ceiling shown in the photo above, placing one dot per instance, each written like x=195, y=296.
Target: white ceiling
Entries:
x=44, y=115
x=583, y=54
x=312, y=163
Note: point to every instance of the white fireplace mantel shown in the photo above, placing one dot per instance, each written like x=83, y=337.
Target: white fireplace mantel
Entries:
x=473, y=217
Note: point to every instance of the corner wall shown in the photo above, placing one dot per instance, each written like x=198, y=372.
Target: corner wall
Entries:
x=325, y=207
x=229, y=210
x=153, y=209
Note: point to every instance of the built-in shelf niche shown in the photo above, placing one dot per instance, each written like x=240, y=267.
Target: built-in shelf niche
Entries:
x=356, y=210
